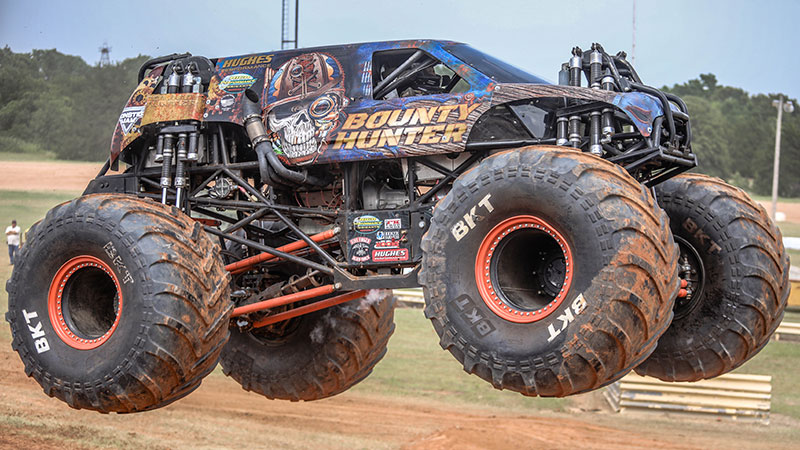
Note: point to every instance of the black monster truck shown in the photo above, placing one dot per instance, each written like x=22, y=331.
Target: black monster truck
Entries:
x=268, y=201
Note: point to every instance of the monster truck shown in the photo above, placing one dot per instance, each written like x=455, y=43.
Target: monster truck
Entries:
x=268, y=202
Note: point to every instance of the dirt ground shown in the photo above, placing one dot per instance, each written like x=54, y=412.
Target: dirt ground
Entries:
x=46, y=176
x=221, y=415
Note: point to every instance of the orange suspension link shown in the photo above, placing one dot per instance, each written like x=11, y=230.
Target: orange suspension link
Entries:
x=245, y=264
x=285, y=299
x=327, y=303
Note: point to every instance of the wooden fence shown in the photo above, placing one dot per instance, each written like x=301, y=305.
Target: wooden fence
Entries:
x=787, y=331
x=410, y=297
x=735, y=396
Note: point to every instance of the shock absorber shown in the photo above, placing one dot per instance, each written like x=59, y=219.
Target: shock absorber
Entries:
x=575, y=67
x=595, y=147
x=562, y=124
x=574, y=131
x=180, y=180
x=608, y=113
x=159, y=149
x=166, y=166
x=174, y=80
x=595, y=66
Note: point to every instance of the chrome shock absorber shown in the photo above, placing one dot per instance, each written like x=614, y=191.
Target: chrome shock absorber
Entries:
x=575, y=69
x=608, y=113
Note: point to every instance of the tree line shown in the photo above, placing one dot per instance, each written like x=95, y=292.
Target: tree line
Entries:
x=52, y=102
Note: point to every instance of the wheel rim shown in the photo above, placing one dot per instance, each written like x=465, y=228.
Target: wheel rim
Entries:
x=85, y=302
x=692, y=275
x=523, y=269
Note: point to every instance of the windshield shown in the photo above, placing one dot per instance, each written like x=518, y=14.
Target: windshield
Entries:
x=492, y=67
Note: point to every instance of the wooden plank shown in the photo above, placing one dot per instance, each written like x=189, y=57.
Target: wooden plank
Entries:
x=731, y=395
x=695, y=400
x=413, y=296
x=707, y=392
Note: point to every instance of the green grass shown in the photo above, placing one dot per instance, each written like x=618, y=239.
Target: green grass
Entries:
x=789, y=228
x=9, y=156
x=26, y=208
x=781, y=360
x=39, y=157
x=415, y=366
x=794, y=256
x=768, y=198
x=792, y=316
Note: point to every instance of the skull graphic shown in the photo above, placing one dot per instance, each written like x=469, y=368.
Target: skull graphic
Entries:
x=304, y=99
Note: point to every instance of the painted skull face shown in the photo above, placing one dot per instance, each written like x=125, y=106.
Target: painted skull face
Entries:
x=304, y=100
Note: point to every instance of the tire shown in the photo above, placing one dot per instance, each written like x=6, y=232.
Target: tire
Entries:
x=314, y=356
x=594, y=316
x=118, y=304
x=738, y=299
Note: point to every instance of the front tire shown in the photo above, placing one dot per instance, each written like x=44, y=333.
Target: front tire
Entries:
x=118, y=304
x=548, y=271
x=737, y=280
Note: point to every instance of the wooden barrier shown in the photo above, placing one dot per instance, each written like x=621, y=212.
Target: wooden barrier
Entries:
x=410, y=297
x=787, y=331
x=735, y=396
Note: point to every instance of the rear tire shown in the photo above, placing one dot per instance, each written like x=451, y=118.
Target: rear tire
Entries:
x=740, y=284
x=314, y=356
x=118, y=304
x=582, y=292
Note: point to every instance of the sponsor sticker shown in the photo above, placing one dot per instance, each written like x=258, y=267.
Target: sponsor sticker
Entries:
x=236, y=83
x=390, y=255
x=359, y=251
x=392, y=243
x=392, y=224
x=254, y=60
x=366, y=224
x=129, y=117
x=381, y=235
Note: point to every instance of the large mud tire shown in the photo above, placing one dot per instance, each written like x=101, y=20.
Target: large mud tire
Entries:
x=118, y=304
x=623, y=265
x=318, y=356
x=745, y=285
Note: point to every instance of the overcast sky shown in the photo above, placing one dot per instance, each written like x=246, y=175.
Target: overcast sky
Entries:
x=748, y=44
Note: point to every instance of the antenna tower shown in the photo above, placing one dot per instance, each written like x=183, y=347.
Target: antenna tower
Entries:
x=287, y=42
x=105, y=51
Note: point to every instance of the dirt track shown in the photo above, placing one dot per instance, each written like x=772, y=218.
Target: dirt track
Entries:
x=221, y=414
x=46, y=176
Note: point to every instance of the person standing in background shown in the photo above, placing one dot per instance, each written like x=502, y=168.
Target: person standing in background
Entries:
x=12, y=237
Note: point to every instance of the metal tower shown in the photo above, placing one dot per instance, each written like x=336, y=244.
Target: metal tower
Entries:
x=286, y=42
x=105, y=51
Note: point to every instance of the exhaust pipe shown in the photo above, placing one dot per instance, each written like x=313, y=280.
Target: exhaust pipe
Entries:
x=270, y=167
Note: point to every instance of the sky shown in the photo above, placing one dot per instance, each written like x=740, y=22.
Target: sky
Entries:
x=746, y=44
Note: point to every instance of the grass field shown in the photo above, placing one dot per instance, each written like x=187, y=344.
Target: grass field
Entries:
x=415, y=365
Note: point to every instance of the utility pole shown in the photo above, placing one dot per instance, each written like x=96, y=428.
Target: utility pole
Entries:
x=788, y=107
x=633, y=42
x=286, y=42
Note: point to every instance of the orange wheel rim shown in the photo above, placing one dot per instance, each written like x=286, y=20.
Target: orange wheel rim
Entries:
x=487, y=259
x=58, y=297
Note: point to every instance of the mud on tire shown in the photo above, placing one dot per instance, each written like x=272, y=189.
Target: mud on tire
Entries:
x=118, y=304
x=740, y=283
x=314, y=356
x=548, y=271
